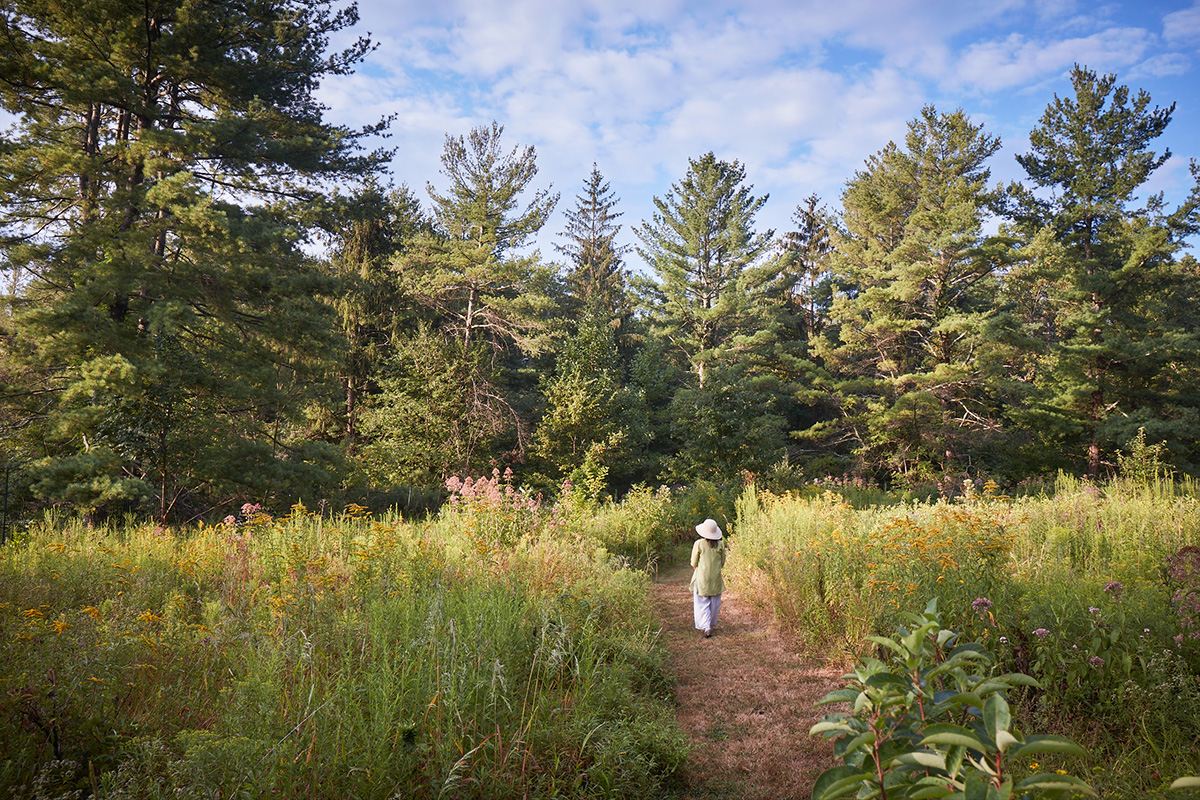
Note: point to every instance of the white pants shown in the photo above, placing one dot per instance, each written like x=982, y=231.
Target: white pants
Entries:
x=706, y=610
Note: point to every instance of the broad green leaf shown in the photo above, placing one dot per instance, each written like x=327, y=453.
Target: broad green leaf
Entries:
x=947, y=734
x=912, y=642
x=977, y=787
x=931, y=793
x=965, y=699
x=954, y=759
x=996, y=716
x=922, y=758
x=840, y=696
x=1005, y=740
x=1019, y=679
x=1046, y=744
x=1055, y=783
x=867, y=738
x=829, y=725
x=891, y=644
x=889, y=680
x=839, y=781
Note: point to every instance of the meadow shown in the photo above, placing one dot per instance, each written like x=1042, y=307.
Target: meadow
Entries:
x=504, y=647
x=496, y=650
x=1093, y=590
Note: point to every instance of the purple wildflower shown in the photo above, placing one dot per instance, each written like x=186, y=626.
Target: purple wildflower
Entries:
x=1096, y=661
x=1041, y=633
x=981, y=604
x=1114, y=588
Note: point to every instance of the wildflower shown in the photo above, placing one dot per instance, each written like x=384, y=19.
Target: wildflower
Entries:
x=1093, y=610
x=1003, y=640
x=1041, y=633
x=1096, y=661
x=1114, y=588
x=981, y=604
x=231, y=520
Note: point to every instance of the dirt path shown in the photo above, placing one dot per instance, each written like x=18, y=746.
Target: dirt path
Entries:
x=745, y=699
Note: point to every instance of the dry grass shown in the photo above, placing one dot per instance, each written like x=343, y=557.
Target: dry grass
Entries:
x=745, y=699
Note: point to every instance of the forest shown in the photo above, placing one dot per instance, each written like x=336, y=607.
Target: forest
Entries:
x=214, y=295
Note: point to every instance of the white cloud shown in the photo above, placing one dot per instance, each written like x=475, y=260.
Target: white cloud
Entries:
x=1015, y=60
x=800, y=91
x=1160, y=66
x=1182, y=27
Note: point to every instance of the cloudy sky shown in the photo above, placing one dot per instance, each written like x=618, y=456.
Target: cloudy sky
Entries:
x=800, y=91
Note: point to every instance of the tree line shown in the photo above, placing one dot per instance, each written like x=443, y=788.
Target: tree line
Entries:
x=171, y=344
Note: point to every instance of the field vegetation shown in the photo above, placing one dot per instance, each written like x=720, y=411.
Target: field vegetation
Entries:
x=1091, y=589
x=497, y=650
x=504, y=647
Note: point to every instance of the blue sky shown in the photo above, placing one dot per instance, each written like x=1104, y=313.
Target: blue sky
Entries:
x=800, y=92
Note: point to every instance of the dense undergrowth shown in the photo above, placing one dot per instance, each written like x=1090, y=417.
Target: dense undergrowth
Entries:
x=1092, y=590
x=498, y=650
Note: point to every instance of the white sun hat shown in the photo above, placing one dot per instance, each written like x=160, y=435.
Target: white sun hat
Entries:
x=709, y=530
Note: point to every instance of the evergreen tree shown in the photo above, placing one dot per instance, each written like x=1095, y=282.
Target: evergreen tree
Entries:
x=702, y=245
x=805, y=279
x=906, y=334
x=482, y=308
x=716, y=303
x=1100, y=286
x=151, y=187
x=366, y=230
x=596, y=276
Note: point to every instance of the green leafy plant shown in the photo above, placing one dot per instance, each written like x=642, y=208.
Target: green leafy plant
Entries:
x=933, y=722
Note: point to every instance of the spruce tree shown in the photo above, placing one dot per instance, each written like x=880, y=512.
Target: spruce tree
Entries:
x=596, y=274
x=153, y=191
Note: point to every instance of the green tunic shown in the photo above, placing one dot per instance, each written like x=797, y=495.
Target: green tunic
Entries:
x=706, y=579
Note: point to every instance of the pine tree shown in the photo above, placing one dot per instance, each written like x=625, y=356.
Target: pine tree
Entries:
x=702, y=245
x=906, y=335
x=1100, y=285
x=153, y=191
x=482, y=307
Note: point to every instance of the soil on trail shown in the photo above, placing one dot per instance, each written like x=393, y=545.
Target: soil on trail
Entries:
x=745, y=699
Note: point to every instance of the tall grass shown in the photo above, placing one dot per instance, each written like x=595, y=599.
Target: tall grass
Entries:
x=1069, y=587
x=314, y=657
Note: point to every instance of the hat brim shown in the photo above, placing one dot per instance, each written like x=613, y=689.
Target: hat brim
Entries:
x=709, y=530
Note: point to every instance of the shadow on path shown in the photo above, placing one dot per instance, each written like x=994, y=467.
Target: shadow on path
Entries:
x=744, y=698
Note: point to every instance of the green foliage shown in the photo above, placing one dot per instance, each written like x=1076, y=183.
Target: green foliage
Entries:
x=486, y=654
x=1100, y=286
x=934, y=721
x=702, y=245
x=449, y=389
x=1088, y=589
x=907, y=335
x=153, y=185
x=596, y=276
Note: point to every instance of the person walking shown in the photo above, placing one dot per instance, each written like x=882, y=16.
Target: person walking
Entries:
x=708, y=557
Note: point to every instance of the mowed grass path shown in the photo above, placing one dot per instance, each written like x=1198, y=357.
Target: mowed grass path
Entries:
x=744, y=697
